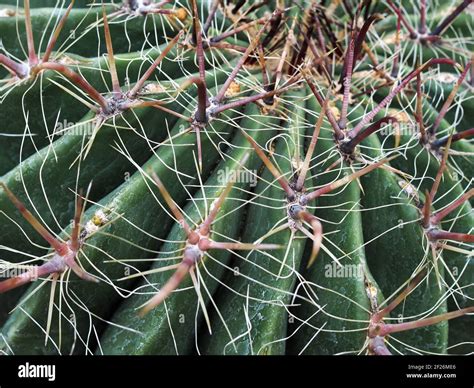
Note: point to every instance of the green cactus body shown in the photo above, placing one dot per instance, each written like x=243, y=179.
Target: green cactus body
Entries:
x=261, y=287
x=166, y=330
x=351, y=231
x=134, y=199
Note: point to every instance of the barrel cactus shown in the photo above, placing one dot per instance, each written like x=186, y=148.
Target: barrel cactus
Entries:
x=235, y=177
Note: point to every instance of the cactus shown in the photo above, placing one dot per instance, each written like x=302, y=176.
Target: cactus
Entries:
x=233, y=177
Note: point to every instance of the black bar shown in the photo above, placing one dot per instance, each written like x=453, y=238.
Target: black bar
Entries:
x=318, y=371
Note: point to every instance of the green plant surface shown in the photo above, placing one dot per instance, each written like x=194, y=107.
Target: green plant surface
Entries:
x=236, y=178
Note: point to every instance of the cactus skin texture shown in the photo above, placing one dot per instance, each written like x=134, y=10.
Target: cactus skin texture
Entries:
x=228, y=177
